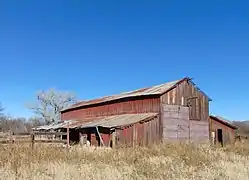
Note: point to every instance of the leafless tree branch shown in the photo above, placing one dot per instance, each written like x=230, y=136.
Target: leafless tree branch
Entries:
x=50, y=103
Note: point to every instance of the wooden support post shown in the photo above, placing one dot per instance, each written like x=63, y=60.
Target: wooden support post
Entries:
x=114, y=139
x=32, y=140
x=68, y=135
x=101, y=140
x=81, y=139
x=134, y=136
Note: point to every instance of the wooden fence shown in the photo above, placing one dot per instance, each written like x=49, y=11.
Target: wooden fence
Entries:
x=35, y=137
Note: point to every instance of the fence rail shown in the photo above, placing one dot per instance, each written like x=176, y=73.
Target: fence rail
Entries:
x=50, y=133
x=33, y=138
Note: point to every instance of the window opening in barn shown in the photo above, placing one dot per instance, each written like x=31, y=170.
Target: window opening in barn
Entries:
x=220, y=138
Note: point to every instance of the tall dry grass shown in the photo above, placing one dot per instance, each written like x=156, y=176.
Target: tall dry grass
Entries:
x=172, y=161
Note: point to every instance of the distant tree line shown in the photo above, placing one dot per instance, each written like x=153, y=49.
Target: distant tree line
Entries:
x=243, y=128
x=46, y=110
x=18, y=125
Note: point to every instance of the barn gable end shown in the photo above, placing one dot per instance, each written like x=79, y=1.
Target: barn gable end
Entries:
x=185, y=113
x=188, y=95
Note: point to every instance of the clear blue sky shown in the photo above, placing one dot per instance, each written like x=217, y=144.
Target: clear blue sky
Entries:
x=97, y=48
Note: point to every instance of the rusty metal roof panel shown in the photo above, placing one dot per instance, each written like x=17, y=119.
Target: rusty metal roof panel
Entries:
x=62, y=124
x=154, y=90
x=118, y=120
x=223, y=121
x=106, y=121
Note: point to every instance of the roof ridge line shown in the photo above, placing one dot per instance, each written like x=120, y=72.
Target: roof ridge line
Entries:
x=152, y=90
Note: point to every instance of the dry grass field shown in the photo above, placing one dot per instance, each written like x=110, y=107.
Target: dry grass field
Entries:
x=172, y=161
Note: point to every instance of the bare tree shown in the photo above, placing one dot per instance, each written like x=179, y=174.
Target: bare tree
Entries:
x=50, y=103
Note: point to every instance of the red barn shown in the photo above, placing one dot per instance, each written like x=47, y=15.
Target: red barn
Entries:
x=176, y=110
x=221, y=130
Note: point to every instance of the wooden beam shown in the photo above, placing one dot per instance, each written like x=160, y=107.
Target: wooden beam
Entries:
x=50, y=141
x=32, y=140
x=68, y=135
x=101, y=140
x=50, y=133
x=134, y=136
x=114, y=139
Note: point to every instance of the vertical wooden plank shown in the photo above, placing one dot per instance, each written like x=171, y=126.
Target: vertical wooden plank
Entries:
x=81, y=140
x=145, y=134
x=178, y=99
x=134, y=135
x=173, y=96
x=168, y=98
x=68, y=135
x=114, y=139
x=153, y=131
x=158, y=129
x=150, y=131
x=32, y=140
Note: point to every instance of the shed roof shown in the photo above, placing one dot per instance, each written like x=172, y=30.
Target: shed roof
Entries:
x=223, y=121
x=154, y=90
x=61, y=124
x=106, y=121
x=119, y=120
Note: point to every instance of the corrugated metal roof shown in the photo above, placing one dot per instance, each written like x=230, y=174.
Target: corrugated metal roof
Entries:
x=223, y=121
x=118, y=120
x=154, y=90
x=62, y=124
x=107, y=121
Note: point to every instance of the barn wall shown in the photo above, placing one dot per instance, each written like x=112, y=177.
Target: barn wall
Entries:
x=177, y=126
x=140, y=134
x=185, y=92
x=199, y=131
x=142, y=105
x=228, y=133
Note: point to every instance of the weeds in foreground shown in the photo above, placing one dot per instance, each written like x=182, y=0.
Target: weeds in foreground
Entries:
x=171, y=161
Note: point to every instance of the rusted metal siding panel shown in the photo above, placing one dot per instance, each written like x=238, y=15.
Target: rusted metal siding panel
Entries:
x=199, y=109
x=177, y=126
x=127, y=107
x=228, y=133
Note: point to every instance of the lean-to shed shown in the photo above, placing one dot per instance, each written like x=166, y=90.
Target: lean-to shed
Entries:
x=221, y=130
x=176, y=110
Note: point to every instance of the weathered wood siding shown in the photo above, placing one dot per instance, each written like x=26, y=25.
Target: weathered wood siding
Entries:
x=199, y=131
x=175, y=122
x=140, y=134
x=138, y=105
x=186, y=94
x=228, y=133
x=177, y=126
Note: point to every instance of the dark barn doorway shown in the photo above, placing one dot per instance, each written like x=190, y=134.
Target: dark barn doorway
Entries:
x=220, y=138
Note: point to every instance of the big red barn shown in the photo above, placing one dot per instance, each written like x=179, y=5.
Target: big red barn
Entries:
x=176, y=110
